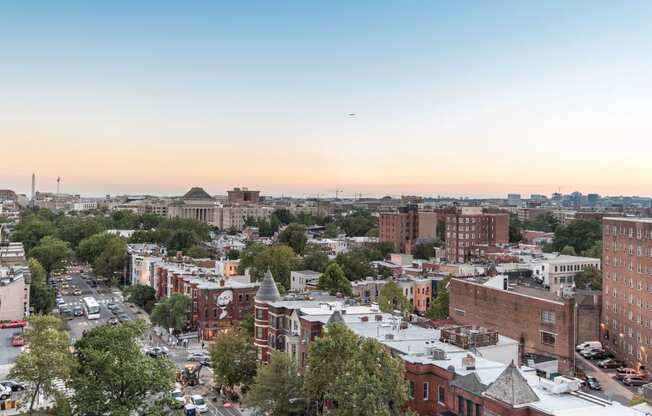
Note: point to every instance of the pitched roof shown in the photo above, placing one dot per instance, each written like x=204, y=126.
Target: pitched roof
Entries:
x=511, y=388
x=197, y=193
x=336, y=317
x=470, y=383
x=268, y=292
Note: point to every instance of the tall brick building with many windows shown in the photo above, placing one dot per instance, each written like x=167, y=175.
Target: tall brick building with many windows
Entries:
x=627, y=288
x=469, y=227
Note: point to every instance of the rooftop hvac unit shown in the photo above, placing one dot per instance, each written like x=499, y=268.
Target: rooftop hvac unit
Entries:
x=389, y=336
x=438, y=354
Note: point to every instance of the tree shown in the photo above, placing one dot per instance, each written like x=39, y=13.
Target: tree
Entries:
x=591, y=277
x=594, y=251
x=438, y=309
x=355, y=376
x=283, y=215
x=580, y=234
x=546, y=222
x=172, y=312
x=89, y=249
x=334, y=281
x=277, y=388
x=279, y=259
x=385, y=248
x=181, y=240
x=515, y=228
x=75, y=229
x=197, y=252
x=294, y=235
x=568, y=251
x=52, y=253
x=441, y=229
x=357, y=223
x=31, y=229
x=46, y=361
x=114, y=377
x=424, y=251
x=355, y=263
x=391, y=298
x=331, y=231
x=112, y=259
x=248, y=324
x=314, y=259
x=41, y=297
x=234, y=360
x=143, y=296
x=233, y=254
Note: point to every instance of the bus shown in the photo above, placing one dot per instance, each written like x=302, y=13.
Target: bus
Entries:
x=91, y=308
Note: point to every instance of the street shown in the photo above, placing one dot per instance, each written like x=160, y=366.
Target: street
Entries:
x=611, y=388
x=177, y=354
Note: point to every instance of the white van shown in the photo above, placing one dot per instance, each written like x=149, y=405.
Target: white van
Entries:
x=594, y=345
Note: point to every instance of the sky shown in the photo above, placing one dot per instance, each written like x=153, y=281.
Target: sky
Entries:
x=459, y=98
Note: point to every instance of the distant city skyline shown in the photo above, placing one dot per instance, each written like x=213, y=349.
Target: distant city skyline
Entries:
x=378, y=98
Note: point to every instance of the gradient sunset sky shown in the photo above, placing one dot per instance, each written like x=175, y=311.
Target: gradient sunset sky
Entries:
x=476, y=98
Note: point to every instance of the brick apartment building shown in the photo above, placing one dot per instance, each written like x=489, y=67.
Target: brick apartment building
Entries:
x=544, y=323
x=218, y=303
x=627, y=288
x=401, y=228
x=468, y=227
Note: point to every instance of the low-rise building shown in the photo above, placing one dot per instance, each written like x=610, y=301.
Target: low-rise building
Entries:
x=14, y=292
x=304, y=280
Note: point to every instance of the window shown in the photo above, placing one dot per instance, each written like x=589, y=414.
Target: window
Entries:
x=459, y=312
x=460, y=405
x=426, y=388
x=441, y=395
x=547, y=338
x=411, y=390
x=548, y=317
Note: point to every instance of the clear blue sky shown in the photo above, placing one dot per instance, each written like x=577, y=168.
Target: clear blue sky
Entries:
x=456, y=98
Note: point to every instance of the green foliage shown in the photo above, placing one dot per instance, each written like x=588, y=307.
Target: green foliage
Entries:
x=356, y=376
x=294, y=235
x=181, y=240
x=424, y=251
x=143, y=296
x=515, y=228
x=114, y=377
x=591, y=277
x=635, y=400
x=233, y=254
x=276, y=388
x=197, y=252
x=356, y=263
x=594, y=251
x=357, y=223
x=441, y=229
x=391, y=298
x=172, y=312
x=331, y=231
x=234, y=359
x=41, y=296
x=334, y=281
x=280, y=259
x=75, y=229
x=47, y=359
x=110, y=263
x=579, y=234
x=543, y=222
x=439, y=307
x=52, y=253
x=89, y=249
x=248, y=324
x=314, y=259
x=385, y=248
x=568, y=251
x=31, y=229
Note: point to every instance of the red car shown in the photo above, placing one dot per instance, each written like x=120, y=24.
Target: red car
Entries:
x=12, y=324
x=17, y=341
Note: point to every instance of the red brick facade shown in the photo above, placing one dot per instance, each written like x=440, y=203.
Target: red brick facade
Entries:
x=542, y=326
x=400, y=228
x=468, y=228
x=627, y=289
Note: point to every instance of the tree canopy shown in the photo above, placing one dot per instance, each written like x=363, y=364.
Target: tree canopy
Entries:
x=52, y=253
x=438, y=309
x=391, y=298
x=580, y=234
x=278, y=258
x=47, y=359
x=294, y=235
x=113, y=376
x=334, y=281
x=277, y=388
x=41, y=296
x=234, y=359
x=590, y=277
x=172, y=312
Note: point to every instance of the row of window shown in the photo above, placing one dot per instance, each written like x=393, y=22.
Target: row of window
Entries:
x=620, y=262
x=640, y=233
x=629, y=249
x=425, y=392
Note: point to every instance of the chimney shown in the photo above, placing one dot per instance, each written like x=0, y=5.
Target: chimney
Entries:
x=468, y=362
x=222, y=283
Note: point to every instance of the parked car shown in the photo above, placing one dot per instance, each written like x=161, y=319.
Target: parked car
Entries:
x=113, y=321
x=69, y=278
x=206, y=362
x=123, y=317
x=12, y=324
x=610, y=363
x=587, y=352
x=13, y=385
x=199, y=403
x=78, y=311
x=113, y=307
x=179, y=398
x=157, y=352
x=60, y=301
x=5, y=393
x=635, y=381
x=593, y=383
x=584, y=345
x=17, y=340
x=77, y=292
x=624, y=372
x=197, y=356
x=599, y=355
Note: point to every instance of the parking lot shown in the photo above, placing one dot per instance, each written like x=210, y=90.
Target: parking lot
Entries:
x=612, y=389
